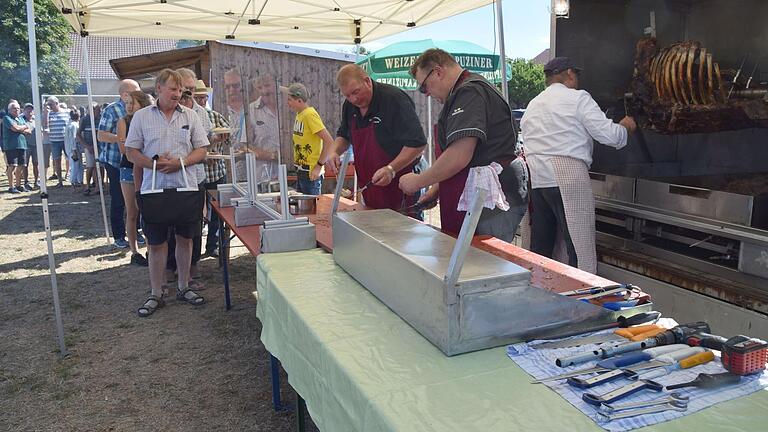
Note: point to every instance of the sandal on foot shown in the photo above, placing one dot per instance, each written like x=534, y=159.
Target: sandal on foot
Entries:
x=152, y=304
x=190, y=297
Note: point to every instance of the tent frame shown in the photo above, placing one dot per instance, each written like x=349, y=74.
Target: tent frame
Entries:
x=236, y=19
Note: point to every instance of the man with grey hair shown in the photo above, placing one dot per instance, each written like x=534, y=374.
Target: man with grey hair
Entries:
x=147, y=141
x=109, y=155
x=262, y=115
x=29, y=117
x=14, y=145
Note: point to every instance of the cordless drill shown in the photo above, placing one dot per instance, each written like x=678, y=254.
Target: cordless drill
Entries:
x=741, y=355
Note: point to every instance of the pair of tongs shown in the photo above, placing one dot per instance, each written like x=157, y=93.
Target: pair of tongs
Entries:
x=419, y=206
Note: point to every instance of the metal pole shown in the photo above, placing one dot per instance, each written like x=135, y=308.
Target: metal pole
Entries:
x=282, y=177
x=430, y=144
x=339, y=184
x=467, y=232
x=93, y=137
x=502, y=55
x=552, y=30
x=41, y=168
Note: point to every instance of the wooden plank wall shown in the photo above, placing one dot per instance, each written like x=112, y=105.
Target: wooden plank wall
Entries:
x=317, y=74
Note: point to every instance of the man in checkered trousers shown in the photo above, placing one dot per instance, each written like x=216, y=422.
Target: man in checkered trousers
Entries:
x=560, y=125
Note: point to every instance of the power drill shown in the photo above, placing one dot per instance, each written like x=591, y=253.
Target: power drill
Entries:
x=741, y=355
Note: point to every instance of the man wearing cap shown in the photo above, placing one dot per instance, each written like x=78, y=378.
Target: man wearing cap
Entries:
x=380, y=122
x=109, y=156
x=29, y=117
x=309, y=135
x=477, y=148
x=215, y=169
x=560, y=127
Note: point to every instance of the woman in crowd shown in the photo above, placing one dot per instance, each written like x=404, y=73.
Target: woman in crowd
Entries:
x=139, y=100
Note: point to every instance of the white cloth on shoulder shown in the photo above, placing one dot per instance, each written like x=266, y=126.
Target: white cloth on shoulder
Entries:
x=487, y=178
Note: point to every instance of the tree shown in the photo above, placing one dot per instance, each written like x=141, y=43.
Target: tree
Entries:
x=526, y=81
x=188, y=43
x=52, y=33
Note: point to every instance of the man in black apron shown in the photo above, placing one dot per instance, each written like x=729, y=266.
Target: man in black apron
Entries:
x=474, y=131
x=380, y=122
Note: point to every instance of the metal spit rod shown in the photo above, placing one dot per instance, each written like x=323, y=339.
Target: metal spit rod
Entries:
x=461, y=247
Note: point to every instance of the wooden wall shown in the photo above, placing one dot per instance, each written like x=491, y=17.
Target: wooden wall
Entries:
x=317, y=74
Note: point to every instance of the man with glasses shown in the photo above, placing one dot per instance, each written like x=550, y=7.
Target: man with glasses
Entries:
x=380, y=122
x=560, y=127
x=476, y=145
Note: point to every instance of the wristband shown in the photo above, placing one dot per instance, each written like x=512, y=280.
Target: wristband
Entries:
x=392, y=170
x=320, y=164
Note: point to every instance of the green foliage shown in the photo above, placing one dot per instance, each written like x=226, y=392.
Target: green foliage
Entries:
x=52, y=33
x=526, y=81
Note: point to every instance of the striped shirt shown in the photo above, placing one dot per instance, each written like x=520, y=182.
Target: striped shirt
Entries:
x=153, y=134
x=57, y=121
x=216, y=168
x=110, y=152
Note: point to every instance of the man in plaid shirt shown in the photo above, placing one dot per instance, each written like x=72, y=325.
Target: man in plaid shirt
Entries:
x=215, y=169
x=109, y=156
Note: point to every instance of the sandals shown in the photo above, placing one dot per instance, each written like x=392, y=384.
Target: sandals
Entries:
x=148, y=308
x=190, y=297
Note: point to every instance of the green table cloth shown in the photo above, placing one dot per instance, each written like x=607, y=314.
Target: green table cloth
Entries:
x=360, y=367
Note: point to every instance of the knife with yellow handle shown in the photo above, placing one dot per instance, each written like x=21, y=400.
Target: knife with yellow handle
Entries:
x=686, y=363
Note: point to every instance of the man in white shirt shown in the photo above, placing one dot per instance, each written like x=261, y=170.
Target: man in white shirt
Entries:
x=560, y=125
x=168, y=132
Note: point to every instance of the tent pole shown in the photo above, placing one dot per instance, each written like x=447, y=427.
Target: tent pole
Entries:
x=41, y=167
x=430, y=149
x=502, y=56
x=93, y=137
x=552, y=31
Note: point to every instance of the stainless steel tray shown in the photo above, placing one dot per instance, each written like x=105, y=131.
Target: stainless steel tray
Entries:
x=403, y=263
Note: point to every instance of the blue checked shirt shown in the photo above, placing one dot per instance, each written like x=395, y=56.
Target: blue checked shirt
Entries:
x=110, y=152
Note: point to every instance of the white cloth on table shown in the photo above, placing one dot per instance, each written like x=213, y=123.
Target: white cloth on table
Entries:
x=487, y=178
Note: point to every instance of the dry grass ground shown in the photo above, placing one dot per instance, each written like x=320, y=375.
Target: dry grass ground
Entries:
x=182, y=369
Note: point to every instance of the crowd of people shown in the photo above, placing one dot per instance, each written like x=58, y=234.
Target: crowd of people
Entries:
x=154, y=152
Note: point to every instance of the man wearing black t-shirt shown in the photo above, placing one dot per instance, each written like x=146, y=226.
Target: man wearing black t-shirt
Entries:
x=381, y=124
x=474, y=129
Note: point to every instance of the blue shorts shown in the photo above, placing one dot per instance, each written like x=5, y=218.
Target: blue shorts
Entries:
x=126, y=175
x=57, y=148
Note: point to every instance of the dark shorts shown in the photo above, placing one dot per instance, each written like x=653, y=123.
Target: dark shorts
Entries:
x=157, y=234
x=17, y=157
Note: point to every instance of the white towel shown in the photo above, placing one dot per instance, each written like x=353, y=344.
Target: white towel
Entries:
x=487, y=178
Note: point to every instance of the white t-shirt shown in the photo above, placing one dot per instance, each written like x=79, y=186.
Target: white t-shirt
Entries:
x=564, y=122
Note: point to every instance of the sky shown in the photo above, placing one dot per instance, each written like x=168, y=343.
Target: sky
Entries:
x=526, y=29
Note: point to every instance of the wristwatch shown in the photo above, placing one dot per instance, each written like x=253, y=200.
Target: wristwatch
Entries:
x=320, y=164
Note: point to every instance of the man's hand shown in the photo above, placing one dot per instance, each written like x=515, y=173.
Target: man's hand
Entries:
x=168, y=166
x=333, y=164
x=316, y=172
x=383, y=176
x=629, y=123
x=410, y=183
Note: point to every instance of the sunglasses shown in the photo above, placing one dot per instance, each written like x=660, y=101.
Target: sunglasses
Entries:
x=423, y=86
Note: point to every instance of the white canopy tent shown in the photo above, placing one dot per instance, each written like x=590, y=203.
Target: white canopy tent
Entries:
x=307, y=21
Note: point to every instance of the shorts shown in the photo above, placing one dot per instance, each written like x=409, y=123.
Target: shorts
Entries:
x=90, y=160
x=126, y=175
x=157, y=234
x=57, y=148
x=16, y=157
x=32, y=156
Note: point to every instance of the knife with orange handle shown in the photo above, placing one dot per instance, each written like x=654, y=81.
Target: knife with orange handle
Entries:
x=621, y=335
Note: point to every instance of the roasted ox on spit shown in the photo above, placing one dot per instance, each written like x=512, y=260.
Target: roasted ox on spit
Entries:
x=680, y=89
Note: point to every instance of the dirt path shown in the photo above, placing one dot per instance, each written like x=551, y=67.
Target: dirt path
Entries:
x=183, y=369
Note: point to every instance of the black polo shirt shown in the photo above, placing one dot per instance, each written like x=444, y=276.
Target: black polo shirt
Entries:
x=394, y=119
x=474, y=108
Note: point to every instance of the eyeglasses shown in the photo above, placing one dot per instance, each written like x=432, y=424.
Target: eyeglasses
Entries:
x=235, y=86
x=423, y=86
